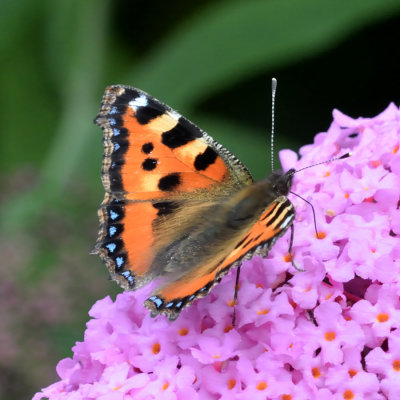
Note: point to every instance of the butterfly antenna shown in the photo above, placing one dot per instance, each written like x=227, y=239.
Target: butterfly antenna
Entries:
x=274, y=84
x=323, y=162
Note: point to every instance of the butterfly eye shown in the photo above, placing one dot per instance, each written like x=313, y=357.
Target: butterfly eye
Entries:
x=283, y=183
x=281, y=188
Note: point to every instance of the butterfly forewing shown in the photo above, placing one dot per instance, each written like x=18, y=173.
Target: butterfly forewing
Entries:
x=155, y=163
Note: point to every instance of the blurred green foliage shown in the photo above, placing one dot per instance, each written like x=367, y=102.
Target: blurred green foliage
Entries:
x=56, y=59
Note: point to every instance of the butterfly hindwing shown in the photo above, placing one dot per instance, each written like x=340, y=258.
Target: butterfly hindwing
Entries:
x=176, y=295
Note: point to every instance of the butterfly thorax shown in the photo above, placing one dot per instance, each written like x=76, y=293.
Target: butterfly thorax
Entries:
x=250, y=202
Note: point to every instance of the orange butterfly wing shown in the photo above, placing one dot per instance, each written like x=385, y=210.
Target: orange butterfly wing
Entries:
x=153, y=160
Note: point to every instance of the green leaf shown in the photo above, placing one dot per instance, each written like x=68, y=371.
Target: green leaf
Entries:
x=231, y=40
x=78, y=91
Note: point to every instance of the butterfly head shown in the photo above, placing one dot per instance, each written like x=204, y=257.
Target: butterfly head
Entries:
x=282, y=181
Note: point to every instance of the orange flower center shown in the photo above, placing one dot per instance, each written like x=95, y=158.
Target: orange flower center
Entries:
x=262, y=385
x=321, y=235
x=382, y=317
x=262, y=312
x=352, y=373
x=165, y=386
x=231, y=383
x=156, y=348
x=396, y=365
x=183, y=331
x=287, y=258
x=348, y=395
x=329, y=336
x=316, y=372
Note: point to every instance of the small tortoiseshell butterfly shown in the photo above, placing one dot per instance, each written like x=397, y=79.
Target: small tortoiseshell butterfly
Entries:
x=178, y=205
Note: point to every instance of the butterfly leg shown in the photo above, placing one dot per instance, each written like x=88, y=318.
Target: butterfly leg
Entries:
x=291, y=250
x=235, y=296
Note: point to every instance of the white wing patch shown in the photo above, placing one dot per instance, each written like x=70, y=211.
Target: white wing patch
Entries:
x=140, y=101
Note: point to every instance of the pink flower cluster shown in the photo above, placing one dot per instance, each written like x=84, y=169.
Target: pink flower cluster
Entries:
x=331, y=332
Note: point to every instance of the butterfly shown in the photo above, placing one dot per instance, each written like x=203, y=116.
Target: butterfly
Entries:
x=178, y=207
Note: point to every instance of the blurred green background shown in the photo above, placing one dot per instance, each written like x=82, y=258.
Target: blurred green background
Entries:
x=211, y=60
